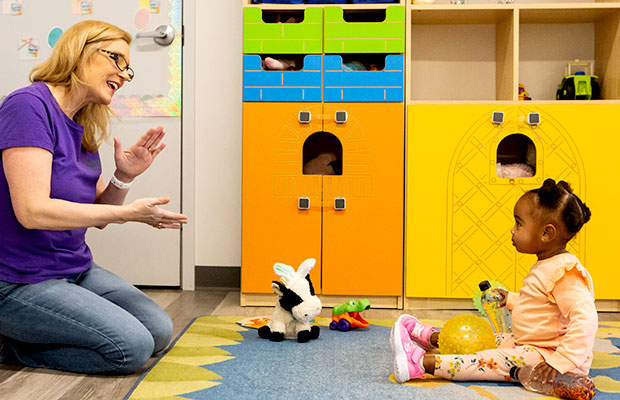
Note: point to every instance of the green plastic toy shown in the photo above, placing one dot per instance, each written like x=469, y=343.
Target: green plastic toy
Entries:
x=580, y=85
x=346, y=316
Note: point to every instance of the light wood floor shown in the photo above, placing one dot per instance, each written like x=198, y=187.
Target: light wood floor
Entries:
x=17, y=383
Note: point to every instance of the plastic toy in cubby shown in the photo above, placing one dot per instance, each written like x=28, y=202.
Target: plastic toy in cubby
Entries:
x=523, y=94
x=579, y=85
x=347, y=316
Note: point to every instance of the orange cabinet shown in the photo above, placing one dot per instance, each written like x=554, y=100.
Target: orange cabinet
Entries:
x=350, y=220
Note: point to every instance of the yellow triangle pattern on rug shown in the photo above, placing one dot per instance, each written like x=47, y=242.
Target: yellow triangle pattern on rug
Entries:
x=179, y=371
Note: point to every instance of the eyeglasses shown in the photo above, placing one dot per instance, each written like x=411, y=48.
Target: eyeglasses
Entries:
x=120, y=62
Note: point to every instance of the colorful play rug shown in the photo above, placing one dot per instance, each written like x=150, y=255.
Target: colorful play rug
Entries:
x=216, y=358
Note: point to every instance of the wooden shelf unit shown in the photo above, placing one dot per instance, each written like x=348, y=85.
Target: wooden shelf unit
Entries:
x=481, y=52
x=361, y=6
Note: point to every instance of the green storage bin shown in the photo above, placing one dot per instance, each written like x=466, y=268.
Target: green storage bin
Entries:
x=305, y=37
x=365, y=37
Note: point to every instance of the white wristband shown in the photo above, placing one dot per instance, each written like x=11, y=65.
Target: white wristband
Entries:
x=119, y=184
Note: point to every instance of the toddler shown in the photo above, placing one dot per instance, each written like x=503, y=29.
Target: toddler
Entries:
x=553, y=315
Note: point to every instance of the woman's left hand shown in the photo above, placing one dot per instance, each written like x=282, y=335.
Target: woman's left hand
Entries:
x=545, y=372
x=136, y=159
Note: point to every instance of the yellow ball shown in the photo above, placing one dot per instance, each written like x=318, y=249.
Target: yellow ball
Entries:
x=466, y=334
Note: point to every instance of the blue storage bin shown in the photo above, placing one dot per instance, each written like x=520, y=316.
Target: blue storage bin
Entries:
x=327, y=1
x=303, y=85
x=277, y=1
x=365, y=86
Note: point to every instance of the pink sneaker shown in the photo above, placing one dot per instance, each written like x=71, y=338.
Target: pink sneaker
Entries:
x=407, y=356
x=419, y=332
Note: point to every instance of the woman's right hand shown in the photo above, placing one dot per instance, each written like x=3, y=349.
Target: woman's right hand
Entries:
x=147, y=211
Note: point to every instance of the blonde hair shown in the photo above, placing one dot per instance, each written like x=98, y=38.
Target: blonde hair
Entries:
x=72, y=52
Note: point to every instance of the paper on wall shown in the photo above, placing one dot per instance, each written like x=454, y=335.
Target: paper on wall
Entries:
x=151, y=5
x=53, y=36
x=28, y=48
x=82, y=6
x=13, y=7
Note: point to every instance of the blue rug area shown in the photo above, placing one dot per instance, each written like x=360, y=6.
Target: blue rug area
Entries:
x=216, y=359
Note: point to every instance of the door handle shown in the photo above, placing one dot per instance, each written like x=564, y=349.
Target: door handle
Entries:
x=340, y=203
x=163, y=35
x=303, y=203
x=304, y=117
x=341, y=117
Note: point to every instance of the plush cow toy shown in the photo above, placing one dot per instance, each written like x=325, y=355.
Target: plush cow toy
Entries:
x=297, y=305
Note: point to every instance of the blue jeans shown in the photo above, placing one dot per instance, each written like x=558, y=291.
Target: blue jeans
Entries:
x=96, y=323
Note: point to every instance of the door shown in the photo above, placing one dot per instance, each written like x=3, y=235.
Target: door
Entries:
x=274, y=226
x=584, y=144
x=459, y=213
x=363, y=242
x=137, y=252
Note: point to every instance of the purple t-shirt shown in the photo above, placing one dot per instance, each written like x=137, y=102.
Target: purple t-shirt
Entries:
x=31, y=117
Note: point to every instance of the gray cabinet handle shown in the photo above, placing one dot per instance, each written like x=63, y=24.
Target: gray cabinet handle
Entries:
x=340, y=203
x=304, y=117
x=341, y=117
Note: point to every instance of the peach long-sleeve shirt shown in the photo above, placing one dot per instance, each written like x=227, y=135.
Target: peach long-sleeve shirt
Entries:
x=554, y=311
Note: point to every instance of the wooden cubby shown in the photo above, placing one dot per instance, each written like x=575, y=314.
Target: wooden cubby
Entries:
x=585, y=31
x=463, y=53
x=482, y=52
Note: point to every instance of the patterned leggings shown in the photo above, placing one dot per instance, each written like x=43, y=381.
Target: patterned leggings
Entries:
x=487, y=365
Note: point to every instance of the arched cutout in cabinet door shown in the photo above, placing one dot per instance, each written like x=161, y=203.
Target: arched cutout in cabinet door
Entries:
x=322, y=154
x=516, y=157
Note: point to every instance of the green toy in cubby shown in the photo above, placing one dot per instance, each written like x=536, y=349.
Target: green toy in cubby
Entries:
x=580, y=85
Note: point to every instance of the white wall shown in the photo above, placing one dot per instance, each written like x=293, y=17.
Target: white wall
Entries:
x=218, y=132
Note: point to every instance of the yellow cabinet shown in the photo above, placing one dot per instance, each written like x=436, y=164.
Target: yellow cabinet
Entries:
x=460, y=212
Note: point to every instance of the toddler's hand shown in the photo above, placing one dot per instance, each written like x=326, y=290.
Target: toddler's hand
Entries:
x=504, y=294
x=545, y=372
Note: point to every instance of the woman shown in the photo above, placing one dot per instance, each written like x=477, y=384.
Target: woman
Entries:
x=58, y=309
